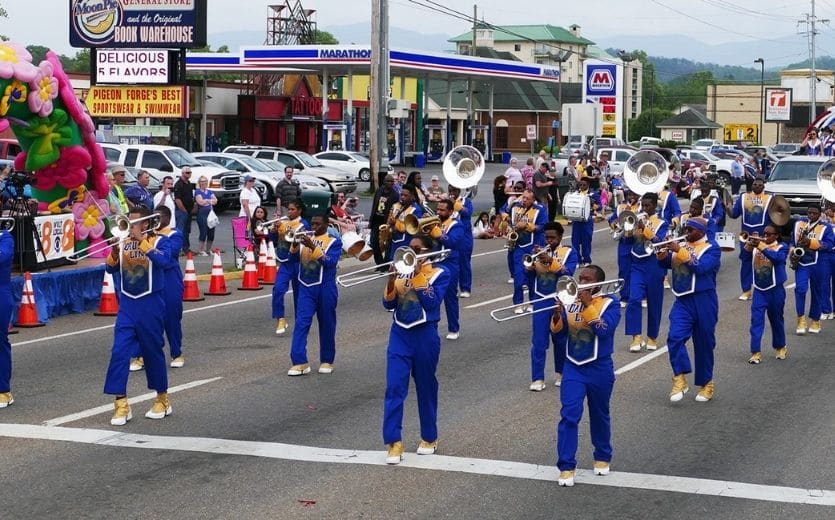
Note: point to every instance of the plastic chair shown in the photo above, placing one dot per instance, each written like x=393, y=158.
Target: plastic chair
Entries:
x=240, y=240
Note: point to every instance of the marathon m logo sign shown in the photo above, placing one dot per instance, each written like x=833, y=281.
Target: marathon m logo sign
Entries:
x=601, y=80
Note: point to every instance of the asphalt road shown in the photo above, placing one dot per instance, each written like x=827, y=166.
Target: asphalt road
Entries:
x=247, y=441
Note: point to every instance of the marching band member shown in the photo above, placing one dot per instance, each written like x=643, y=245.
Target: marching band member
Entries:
x=582, y=231
x=713, y=206
x=140, y=320
x=695, y=311
x=812, y=235
x=625, y=243
x=505, y=225
x=547, y=268
x=828, y=256
x=464, y=209
x=646, y=278
x=668, y=206
x=589, y=326
x=6, y=304
x=288, y=264
x=527, y=219
x=697, y=210
x=450, y=235
x=406, y=206
x=413, y=349
x=753, y=208
x=768, y=258
x=318, y=256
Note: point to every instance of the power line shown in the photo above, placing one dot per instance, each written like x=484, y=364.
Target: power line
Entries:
x=710, y=24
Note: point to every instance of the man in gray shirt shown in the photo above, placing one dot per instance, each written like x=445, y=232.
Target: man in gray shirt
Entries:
x=542, y=183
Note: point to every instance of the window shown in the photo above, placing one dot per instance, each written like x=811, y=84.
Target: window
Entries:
x=517, y=47
x=264, y=155
x=130, y=157
x=290, y=161
x=621, y=156
x=501, y=137
x=156, y=161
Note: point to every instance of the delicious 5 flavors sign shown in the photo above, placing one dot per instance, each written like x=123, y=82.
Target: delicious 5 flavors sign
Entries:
x=138, y=23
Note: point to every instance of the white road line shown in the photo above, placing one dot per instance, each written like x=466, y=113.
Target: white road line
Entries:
x=133, y=400
x=640, y=361
x=519, y=470
x=565, y=237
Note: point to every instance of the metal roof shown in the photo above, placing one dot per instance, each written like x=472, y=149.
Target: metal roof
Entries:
x=518, y=33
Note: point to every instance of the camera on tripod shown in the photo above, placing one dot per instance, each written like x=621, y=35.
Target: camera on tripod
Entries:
x=21, y=179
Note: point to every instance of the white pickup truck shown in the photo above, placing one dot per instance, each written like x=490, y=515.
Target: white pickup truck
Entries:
x=723, y=166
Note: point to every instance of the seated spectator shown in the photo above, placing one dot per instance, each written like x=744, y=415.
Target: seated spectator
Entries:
x=482, y=227
x=258, y=216
x=339, y=217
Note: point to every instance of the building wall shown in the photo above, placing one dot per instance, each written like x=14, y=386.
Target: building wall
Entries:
x=530, y=52
x=738, y=104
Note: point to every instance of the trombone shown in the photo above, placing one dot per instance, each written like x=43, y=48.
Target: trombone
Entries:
x=120, y=230
x=658, y=247
x=7, y=224
x=528, y=260
x=405, y=262
x=566, y=294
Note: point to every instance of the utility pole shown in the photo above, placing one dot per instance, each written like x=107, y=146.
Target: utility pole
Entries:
x=468, y=136
x=378, y=106
x=811, y=32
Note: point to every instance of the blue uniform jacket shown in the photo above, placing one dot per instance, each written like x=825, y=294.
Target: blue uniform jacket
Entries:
x=419, y=306
x=590, y=332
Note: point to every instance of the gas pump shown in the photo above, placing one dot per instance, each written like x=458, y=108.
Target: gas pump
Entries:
x=393, y=142
x=436, y=143
x=481, y=142
x=335, y=136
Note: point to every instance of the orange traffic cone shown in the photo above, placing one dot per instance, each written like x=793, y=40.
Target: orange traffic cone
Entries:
x=250, y=279
x=191, y=292
x=27, y=315
x=271, y=268
x=108, y=304
x=262, y=259
x=217, y=283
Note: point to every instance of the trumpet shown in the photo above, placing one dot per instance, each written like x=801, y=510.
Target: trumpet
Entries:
x=566, y=294
x=658, y=247
x=120, y=231
x=512, y=237
x=295, y=237
x=746, y=238
x=7, y=224
x=528, y=260
x=405, y=262
x=264, y=227
x=424, y=225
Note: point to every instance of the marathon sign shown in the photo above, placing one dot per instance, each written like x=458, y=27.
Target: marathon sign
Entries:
x=169, y=24
x=778, y=104
x=131, y=66
x=345, y=54
x=162, y=102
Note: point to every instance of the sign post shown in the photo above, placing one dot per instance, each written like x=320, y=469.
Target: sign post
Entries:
x=531, y=135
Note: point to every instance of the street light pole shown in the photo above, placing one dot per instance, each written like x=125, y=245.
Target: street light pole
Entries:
x=761, y=133
x=559, y=58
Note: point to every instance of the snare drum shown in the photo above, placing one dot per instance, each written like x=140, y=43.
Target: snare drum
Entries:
x=726, y=241
x=576, y=207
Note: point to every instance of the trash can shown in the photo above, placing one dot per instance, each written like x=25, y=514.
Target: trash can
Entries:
x=497, y=157
x=316, y=202
x=420, y=160
x=506, y=157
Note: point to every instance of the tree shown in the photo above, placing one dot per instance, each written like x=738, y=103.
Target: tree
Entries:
x=324, y=38
x=78, y=63
x=643, y=124
x=38, y=53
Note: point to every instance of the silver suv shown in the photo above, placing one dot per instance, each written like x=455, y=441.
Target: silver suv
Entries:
x=338, y=180
x=795, y=178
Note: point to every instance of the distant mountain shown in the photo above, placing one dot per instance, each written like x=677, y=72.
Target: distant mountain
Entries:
x=358, y=33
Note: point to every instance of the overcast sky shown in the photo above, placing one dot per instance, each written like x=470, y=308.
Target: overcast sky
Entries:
x=713, y=21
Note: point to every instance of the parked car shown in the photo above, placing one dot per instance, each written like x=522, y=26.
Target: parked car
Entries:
x=705, y=144
x=131, y=176
x=721, y=166
x=617, y=157
x=338, y=180
x=795, y=178
x=160, y=160
x=9, y=148
x=308, y=182
x=785, y=149
x=352, y=162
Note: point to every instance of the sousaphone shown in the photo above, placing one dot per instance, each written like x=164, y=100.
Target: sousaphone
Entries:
x=463, y=167
x=645, y=172
x=826, y=180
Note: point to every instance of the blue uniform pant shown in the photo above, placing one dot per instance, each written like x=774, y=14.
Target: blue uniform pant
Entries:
x=581, y=234
x=809, y=275
x=624, y=270
x=540, y=337
x=287, y=274
x=593, y=383
x=451, y=297
x=521, y=276
x=746, y=270
x=826, y=261
x=139, y=323
x=412, y=352
x=694, y=315
x=320, y=300
x=6, y=303
x=832, y=281
x=646, y=281
x=465, y=266
x=174, y=318
x=510, y=263
x=768, y=302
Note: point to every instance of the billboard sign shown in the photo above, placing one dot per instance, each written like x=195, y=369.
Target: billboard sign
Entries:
x=164, y=102
x=131, y=66
x=778, y=104
x=168, y=24
x=602, y=86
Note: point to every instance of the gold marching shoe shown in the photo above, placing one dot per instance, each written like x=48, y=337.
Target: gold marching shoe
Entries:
x=299, y=370
x=705, y=393
x=679, y=388
x=667, y=283
x=801, y=325
x=161, y=407
x=566, y=478
x=637, y=342
x=557, y=379
x=121, y=412
x=137, y=364
x=537, y=386
x=756, y=358
x=745, y=296
x=326, y=368
x=395, y=453
x=781, y=353
x=815, y=327
x=280, y=326
x=427, y=448
x=6, y=399
x=652, y=344
x=601, y=468
x=178, y=362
